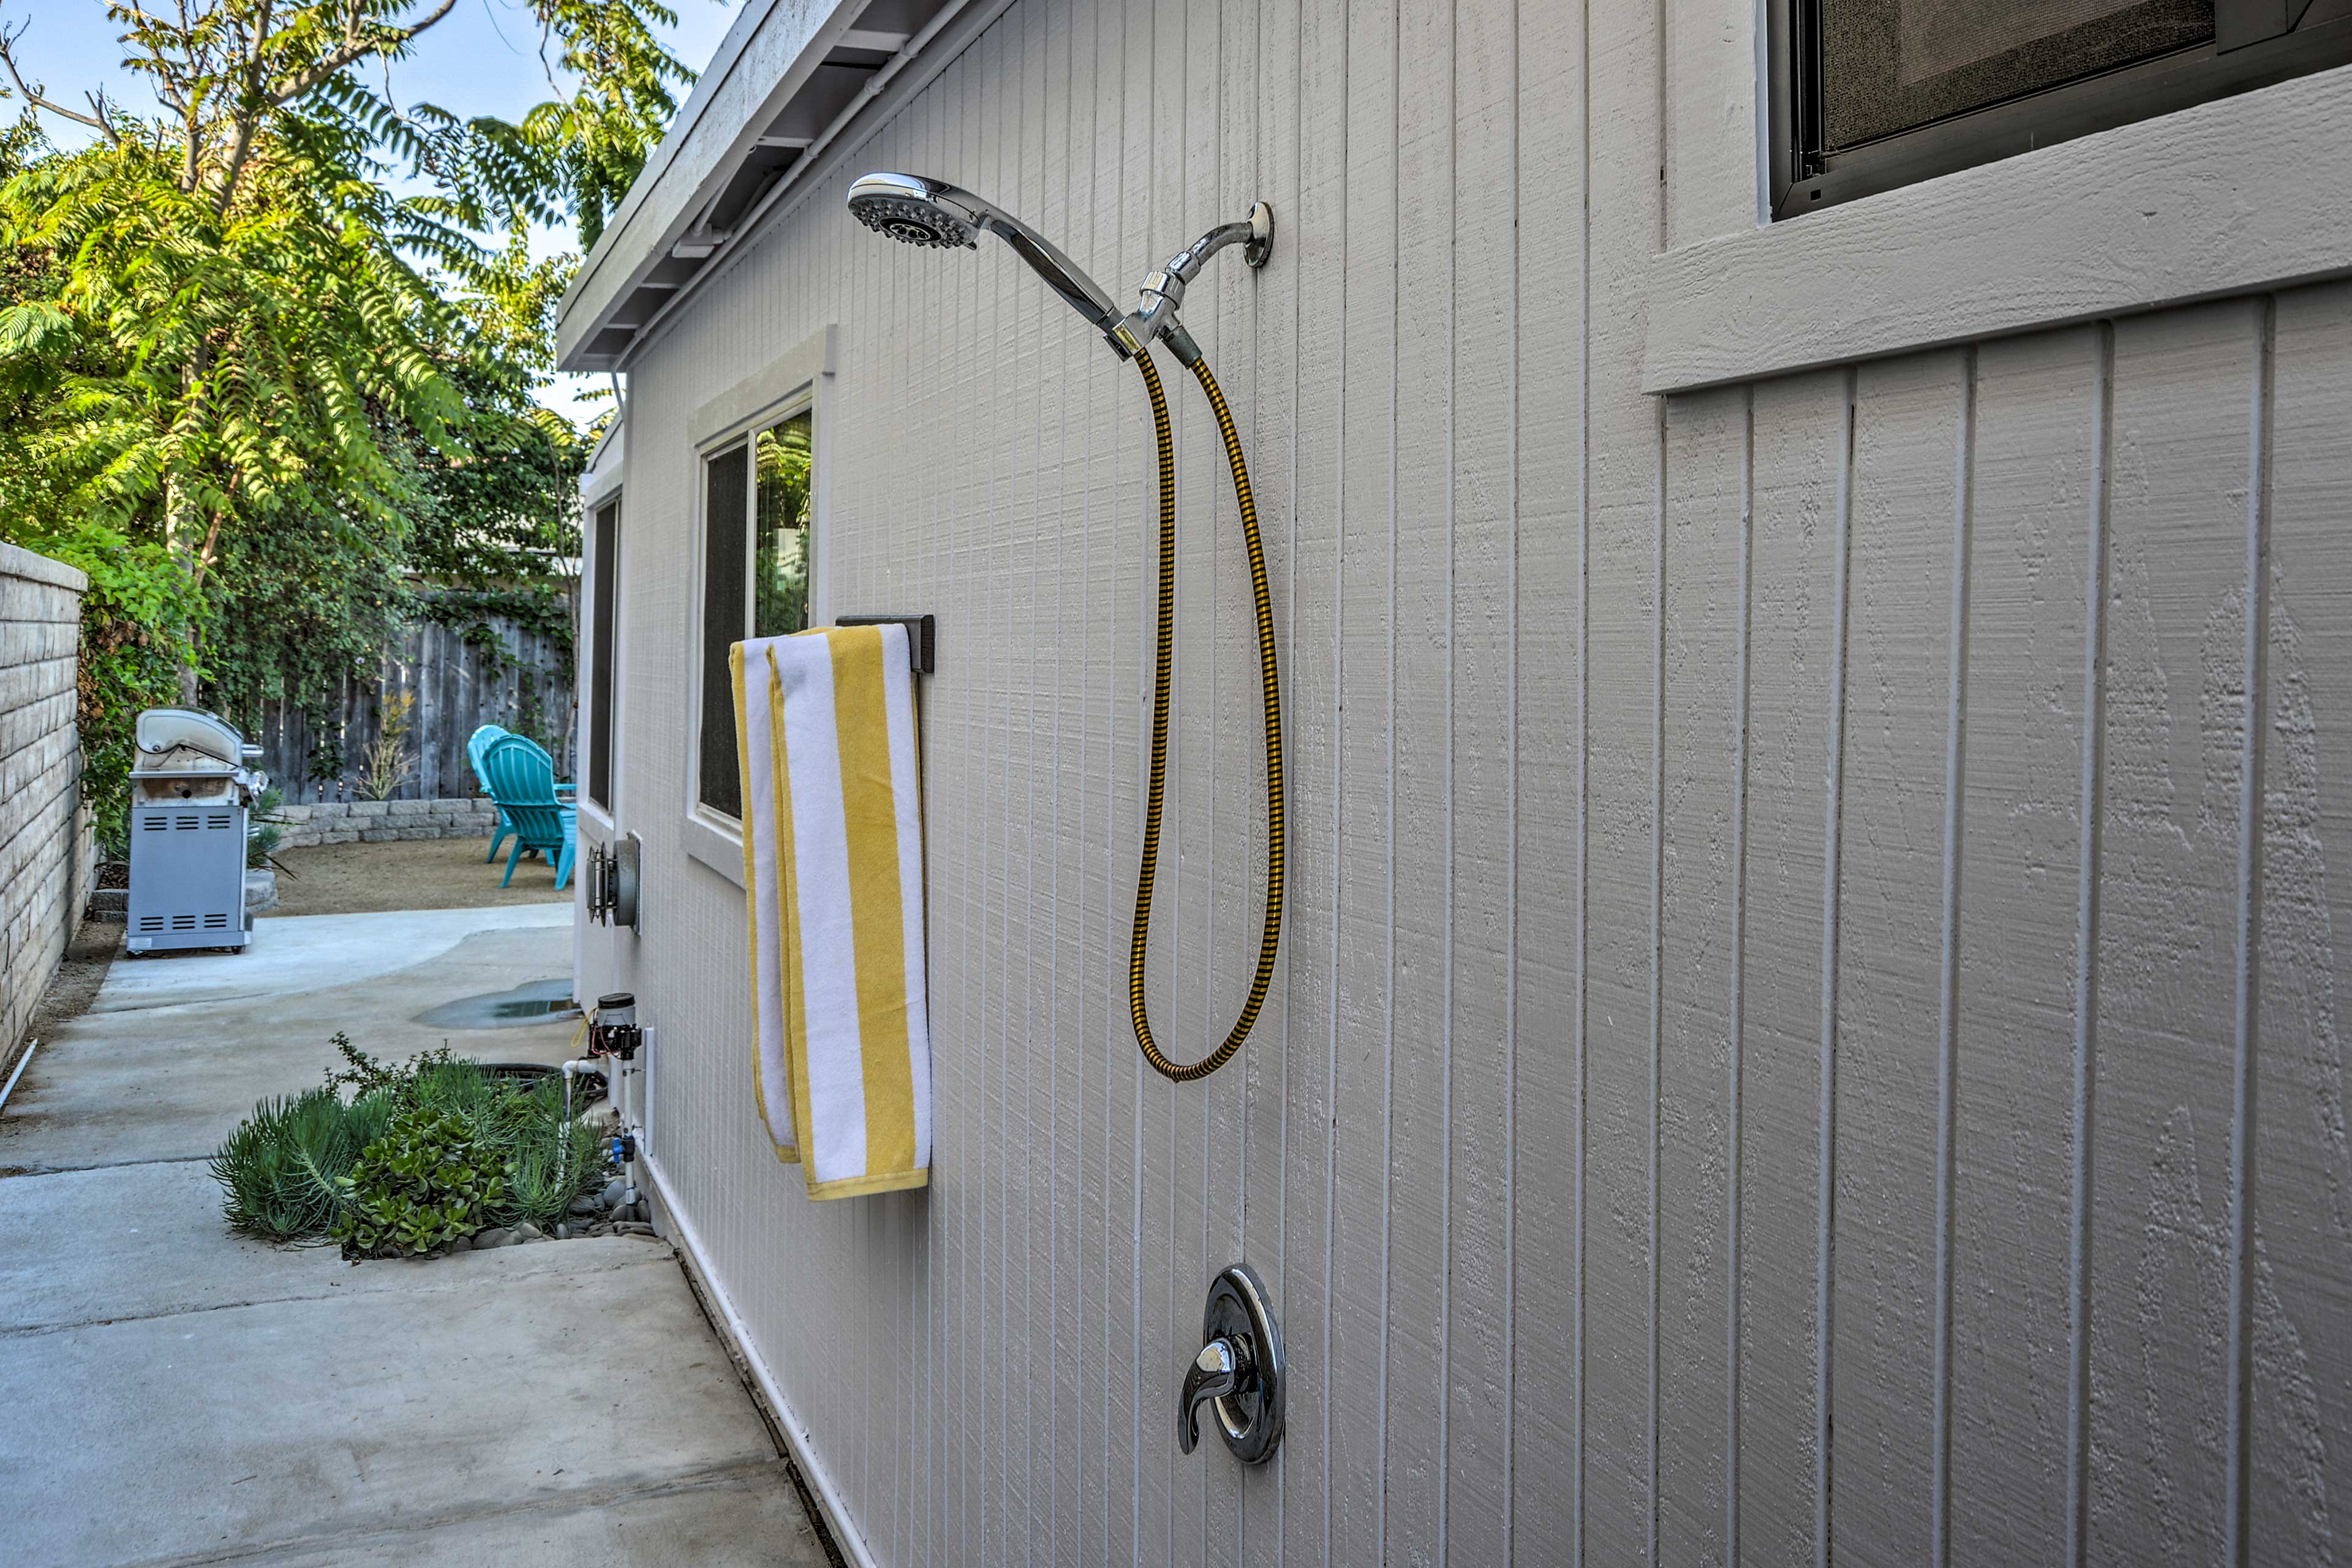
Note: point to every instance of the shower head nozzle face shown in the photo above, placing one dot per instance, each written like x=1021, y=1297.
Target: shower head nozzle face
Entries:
x=904, y=207
x=917, y=223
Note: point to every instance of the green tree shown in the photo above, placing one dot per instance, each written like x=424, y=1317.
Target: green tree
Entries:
x=244, y=380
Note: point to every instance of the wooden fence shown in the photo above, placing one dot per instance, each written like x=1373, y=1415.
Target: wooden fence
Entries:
x=524, y=683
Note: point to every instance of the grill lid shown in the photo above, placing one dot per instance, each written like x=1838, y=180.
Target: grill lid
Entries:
x=163, y=731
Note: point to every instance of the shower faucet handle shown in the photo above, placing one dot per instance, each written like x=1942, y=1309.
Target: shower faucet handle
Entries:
x=1238, y=1374
x=1219, y=1371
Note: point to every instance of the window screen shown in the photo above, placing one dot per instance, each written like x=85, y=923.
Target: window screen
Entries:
x=1891, y=65
x=1871, y=94
x=608, y=547
x=726, y=502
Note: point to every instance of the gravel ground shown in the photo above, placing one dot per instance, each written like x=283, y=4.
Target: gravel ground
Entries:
x=424, y=874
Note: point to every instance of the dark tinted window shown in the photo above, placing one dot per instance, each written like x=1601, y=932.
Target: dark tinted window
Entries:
x=725, y=551
x=604, y=593
x=1892, y=65
x=1873, y=94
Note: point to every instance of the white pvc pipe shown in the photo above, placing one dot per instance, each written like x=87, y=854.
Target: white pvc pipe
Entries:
x=571, y=1068
x=22, y=1063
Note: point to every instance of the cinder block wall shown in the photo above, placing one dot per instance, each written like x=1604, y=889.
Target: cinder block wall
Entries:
x=47, y=849
x=380, y=821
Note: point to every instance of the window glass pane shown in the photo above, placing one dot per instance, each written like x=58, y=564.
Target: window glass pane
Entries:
x=725, y=500
x=607, y=548
x=1894, y=65
x=780, y=560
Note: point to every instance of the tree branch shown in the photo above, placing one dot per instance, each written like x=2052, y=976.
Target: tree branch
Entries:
x=354, y=46
x=262, y=97
x=98, y=119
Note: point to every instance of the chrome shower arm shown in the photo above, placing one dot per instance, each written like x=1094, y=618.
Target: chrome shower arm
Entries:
x=1080, y=292
x=1163, y=291
x=921, y=210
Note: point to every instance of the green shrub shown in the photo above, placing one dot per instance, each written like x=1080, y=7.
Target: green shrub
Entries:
x=422, y=1153
x=364, y=1074
x=269, y=828
x=279, y=1169
x=555, y=1160
x=429, y=1179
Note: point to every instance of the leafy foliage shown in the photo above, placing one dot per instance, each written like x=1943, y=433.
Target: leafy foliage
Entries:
x=421, y=1153
x=363, y=1074
x=387, y=764
x=269, y=828
x=279, y=1169
x=427, y=1180
x=254, y=394
x=780, y=585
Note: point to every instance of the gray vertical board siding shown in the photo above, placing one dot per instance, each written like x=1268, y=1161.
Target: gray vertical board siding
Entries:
x=1080, y=976
x=1482, y=391
x=1909, y=422
x=1664, y=1139
x=1136, y=1468
x=1547, y=630
x=1621, y=696
x=2301, y=1391
x=2037, y=414
x=1420, y=717
x=1800, y=455
x=1261, y=44
x=1706, y=522
x=1311, y=717
x=2184, y=399
x=1358, y=1310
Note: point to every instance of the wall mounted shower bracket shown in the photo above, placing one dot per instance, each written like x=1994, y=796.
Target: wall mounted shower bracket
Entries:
x=1163, y=291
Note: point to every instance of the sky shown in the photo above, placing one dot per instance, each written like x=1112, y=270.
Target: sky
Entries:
x=481, y=58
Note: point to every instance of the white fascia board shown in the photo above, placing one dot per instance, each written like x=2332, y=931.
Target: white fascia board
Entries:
x=767, y=57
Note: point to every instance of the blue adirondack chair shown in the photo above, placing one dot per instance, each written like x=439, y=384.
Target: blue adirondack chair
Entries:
x=522, y=781
x=476, y=745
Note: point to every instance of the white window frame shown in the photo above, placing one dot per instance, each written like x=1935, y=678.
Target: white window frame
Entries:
x=796, y=382
x=2243, y=192
x=600, y=820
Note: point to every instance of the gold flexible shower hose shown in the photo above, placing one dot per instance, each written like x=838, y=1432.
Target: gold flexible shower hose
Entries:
x=1164, y=673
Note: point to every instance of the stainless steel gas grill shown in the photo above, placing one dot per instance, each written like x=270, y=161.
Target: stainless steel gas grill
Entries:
x=191, y=794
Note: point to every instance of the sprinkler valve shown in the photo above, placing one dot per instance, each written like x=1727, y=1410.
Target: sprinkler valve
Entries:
x=615, y=1031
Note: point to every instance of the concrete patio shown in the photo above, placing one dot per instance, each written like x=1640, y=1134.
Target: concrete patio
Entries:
x=178, y=1394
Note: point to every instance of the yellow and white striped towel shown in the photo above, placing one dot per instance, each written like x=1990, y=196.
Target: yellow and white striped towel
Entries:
x=834, y=882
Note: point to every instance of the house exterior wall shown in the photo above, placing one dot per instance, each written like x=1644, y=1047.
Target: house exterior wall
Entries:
x=1806, y=1022
x=48, y=851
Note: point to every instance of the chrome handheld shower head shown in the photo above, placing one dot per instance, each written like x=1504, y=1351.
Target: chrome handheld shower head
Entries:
x=924, y=211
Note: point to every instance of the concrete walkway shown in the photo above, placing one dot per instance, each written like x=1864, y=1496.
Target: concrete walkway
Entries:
x=178, y=1395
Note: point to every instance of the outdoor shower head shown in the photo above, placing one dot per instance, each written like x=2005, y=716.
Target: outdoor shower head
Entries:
x=904, y=206
x=923, y=211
